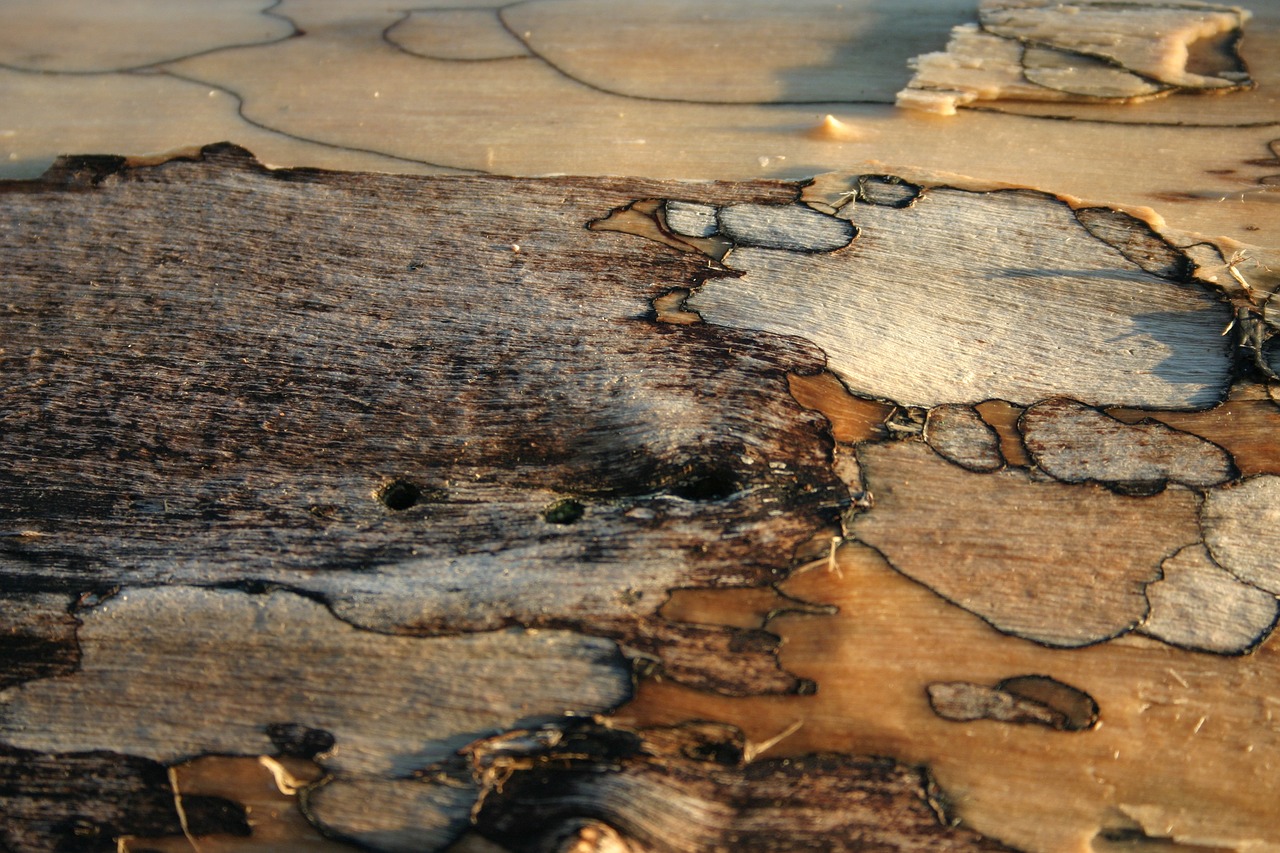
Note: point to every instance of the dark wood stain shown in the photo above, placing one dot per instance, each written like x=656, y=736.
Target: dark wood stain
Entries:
x=596, y=779
x=83, y=801
x=222, y=374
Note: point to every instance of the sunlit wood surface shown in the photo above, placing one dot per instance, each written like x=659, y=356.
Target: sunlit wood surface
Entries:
x=855, y=476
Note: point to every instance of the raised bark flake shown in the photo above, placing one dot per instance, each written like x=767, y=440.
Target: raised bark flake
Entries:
x=1086, y=51
x=963, y=297
x=1076, y=443
x=1199, y=605
x=690, y=788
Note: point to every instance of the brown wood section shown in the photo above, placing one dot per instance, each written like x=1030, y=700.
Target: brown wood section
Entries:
x=389, y=394
x=402, y=488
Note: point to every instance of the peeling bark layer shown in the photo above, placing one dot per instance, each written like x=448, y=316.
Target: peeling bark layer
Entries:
x=548, y=792
x=1084, y=52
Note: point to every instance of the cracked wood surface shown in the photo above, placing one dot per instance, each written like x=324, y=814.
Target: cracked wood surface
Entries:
x=306, y=480
x=204, y=455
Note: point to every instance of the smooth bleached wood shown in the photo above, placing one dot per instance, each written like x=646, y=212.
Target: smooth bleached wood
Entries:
x=245, y=72
x=1183, y=754
x=964, y=297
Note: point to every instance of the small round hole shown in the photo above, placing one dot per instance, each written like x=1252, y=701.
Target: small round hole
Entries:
x=706, y=485
x=399, y=495
x=565, y=511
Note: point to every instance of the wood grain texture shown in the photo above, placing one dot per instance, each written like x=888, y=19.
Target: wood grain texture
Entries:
x=1183, y=754
x=84, y=801
x=459, y=453
x=963, y=297
x=384, y=417
x=1006, y=546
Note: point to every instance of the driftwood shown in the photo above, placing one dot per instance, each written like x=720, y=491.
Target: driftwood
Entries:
x=401, y=516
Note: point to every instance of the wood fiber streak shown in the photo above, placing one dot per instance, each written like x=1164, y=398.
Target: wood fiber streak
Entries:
x=82, y=801
x=214, y=370
x=688, y=789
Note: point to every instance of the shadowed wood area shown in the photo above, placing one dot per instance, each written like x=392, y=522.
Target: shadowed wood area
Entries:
x=580, y=425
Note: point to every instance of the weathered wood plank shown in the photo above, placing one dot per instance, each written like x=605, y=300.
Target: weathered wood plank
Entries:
x=385, y=417
x=240, y=426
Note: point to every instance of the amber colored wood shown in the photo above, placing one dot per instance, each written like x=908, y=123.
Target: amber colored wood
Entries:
x=852, y=419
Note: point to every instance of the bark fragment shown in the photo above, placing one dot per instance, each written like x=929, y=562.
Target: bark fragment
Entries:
x=151, y=657
x=1242, y=530
x=694, y=788
x=963, y=297
x=1247, y=426
x=794, y=228
x=1026, y=700
x=1084, y=52
x=1076, y=443
x=962, y=437
x=1198, y=605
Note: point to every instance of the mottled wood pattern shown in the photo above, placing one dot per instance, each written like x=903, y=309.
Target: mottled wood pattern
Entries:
x=416, y=481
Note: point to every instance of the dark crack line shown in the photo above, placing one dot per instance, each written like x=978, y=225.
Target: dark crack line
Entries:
x=268, y=11
x=406, y=15
x=240, y=112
